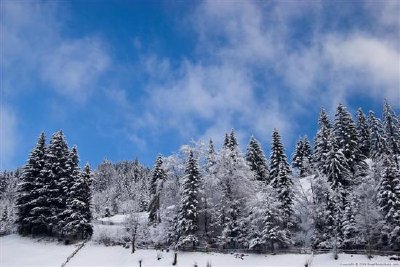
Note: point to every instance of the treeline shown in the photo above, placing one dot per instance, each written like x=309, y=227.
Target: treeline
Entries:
x=54, y=195
x=341, y=192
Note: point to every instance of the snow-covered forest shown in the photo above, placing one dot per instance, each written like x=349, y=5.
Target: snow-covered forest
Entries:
x=339, y=190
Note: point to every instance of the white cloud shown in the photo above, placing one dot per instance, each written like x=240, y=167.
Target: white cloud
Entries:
x=8, y=136
x=375, y=60
x=238, y=39
x=36, y=50
x=74, y=66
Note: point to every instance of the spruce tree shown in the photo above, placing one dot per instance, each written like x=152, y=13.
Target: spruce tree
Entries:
x=389, y=191
x=211, y=157
x=58, y=175
x=189, y=206
x=157, y=180
x=321, y=141
x=278, y=159
x=350, y=229
x=347, y=138
x=285, y=194
x=77, y=213
x=391, y=125
x=338, y=172
x=377, y=137
x=363, y=131
x=389, y=202
x=257, y=162
x=301, y=158
x=29, y=191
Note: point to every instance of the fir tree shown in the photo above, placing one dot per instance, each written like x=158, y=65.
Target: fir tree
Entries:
x=157, y=180
x=257, y=162
x=321, y=141
x=29, y=219
x=189, y=206
x=363, y=131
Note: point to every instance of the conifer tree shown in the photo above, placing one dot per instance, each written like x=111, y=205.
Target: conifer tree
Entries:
x=389, y=193
x=278, y=159
x=157, y=180
x=57, y=176
x=350, y=230
x=391, y=125
x=211, y=157
x=363, y=133
x=256, y=160
x=347, y=138
x=189, y=206
x=321, y=141
x=301, y=158
x=77, y=213
x=338, y=173
x=377, y=137
x=29, y=190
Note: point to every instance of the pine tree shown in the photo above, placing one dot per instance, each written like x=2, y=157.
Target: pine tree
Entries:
x=321, y=141
x=363, y=131
x=377, y=137
x=157, y=180
x=29, y=191
x=257, y=162
x=278, y=159
x=301, y=158
x=347, y=138
x=391, y=125
x=189, y=206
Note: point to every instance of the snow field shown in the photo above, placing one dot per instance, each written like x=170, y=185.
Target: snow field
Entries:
x=22, y=251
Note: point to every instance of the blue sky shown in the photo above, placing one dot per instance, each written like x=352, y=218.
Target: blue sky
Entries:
x=127, y=79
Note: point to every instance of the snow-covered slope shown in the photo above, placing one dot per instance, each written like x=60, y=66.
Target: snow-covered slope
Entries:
x=20, y=251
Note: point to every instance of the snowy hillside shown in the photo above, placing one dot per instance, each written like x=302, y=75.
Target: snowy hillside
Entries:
x=20, y=251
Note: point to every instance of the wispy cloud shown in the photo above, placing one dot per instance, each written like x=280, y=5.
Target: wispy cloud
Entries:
x=36, y=50
x=8, y=136
x=241, y=47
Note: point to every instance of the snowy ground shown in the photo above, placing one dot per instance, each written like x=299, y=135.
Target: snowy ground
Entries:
x=20, y=251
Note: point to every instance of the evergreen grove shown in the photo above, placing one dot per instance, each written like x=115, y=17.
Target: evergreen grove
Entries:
x=340, y=191
x=54, y=195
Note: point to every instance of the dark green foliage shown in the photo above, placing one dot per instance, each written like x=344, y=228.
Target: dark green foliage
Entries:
x=30, y=192
x=257, y=162
x=189, y=207
x=157, y=180
x=364, y=142
x=302, y=157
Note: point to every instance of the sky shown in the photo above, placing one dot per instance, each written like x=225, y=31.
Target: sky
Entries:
x=126, y=79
